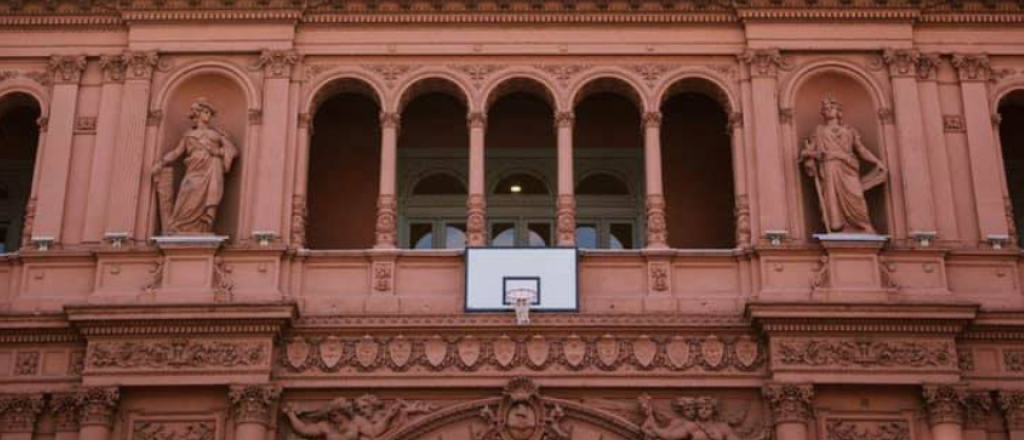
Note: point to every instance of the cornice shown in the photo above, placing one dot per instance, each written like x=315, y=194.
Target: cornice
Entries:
x=564, y=17
x=861, y=318
x=181, y=319
x=228, y=15
x=503, y=321
x=810, y=14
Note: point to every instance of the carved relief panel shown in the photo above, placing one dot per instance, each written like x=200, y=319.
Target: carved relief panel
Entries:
x=175, y=427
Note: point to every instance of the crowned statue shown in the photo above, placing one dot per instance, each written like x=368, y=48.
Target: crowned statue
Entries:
x=832, y=156
x=207, y=154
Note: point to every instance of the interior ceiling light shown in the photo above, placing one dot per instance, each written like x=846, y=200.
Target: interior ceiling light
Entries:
x=516, y=188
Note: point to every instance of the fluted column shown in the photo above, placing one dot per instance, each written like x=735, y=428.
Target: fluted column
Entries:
x=945, y=407
x=128, y=169
x=792, y=406
x=566, y=203
x=271, y=158
x=977, y=410
x=66, y=72
x=476, y=205
x=113, y=68
x=739, y=177
x=387, y=205
x=935, y=142
x=250, y=408
x=99, y=406
x=1012, y=404
x=657, y=226
x=18, y=415
x=986, y=169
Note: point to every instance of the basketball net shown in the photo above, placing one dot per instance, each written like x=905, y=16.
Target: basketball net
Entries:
x=522, y=299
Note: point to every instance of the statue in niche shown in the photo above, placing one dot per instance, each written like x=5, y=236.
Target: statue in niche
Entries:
x=365, y=418
x=693, y=418
x=208, y=154
x=832, y=157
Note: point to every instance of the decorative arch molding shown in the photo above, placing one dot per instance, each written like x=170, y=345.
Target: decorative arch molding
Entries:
x=512, y=81
x=409, y=183
x=1002, y=90
x=205, y=67
x=494, y=179
x=634, y=87
x=791, y=86
x=727, y=94
x=634, y=190
x=427, y=81
x=322, y=88
x=27, y=87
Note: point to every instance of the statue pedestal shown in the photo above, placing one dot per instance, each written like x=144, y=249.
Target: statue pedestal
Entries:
x=187, y=269
x=851, y=270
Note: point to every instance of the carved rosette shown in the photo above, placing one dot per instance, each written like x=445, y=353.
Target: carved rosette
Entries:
x=67, y=69
x=385, y=228
x=252, y=403
x=977, y=408
x=944, y=403
x=476, y=220
x=276, y=63
x=972, y=67
x=566, y=218
x=1012, y=404
x=99, y=406
x=66, y=409
x=298, y=237
x=657, y=231
x=764, y=62
x=19, y=412
x=790, y=403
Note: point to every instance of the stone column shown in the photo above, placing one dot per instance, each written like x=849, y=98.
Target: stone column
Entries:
x=986, y=168
x=977, y=410
x=18, y=415
x=99, y=405
x=476, y=205
x=271, y=160
x=566, y=203
x=917, y=181
x=387, y=205
x=128, y=169
x=113, y=67
x=945, y=407
x=657, y=226
x=1012, y=403
x=298, y=233
x=792, y=406
x=771, y=182
x=935, y=140
x=739, y=178
x=250, y=407
x=66, y=72
x=66, y=409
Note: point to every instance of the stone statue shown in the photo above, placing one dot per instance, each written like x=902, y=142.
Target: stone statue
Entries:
x=365, y=418
x=694, y=418
x=832, y=157
x=208, y=155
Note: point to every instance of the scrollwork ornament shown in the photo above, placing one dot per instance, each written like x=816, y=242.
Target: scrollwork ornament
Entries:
x=790, y=403
x=67, y=69
x=252, y=403
x=852, y=430
x=1012, y=404
x=140, y=65
x=99, y=406
x=764, y=62
x=972, y=67
x=564, y=119
x=276, y=63
x=944, y=403
x=19, y=412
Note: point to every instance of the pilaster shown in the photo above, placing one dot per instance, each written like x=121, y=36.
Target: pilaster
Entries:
x=113, y=68
x=252, y=404
x=271, y=160
x=99, y=406
x=657, y=231
x=978, y=408
x=935, y=141
x=1012, y=404
x=19, y=414
x=792, y=407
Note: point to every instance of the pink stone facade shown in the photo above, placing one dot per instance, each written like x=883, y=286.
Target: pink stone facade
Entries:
x=329, y=301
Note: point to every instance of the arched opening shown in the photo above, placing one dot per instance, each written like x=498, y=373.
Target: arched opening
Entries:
x=696, y=159
x=860, y=113
x=1011, y=135
x=607, y=142
x=522, y=165
x=344, y=170
x=433, y=146
x=19, y=139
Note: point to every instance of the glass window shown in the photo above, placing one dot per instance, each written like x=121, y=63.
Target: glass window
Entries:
x=421, y=235
x=586, y=236
x=602, y=184
x=439, y=184
x=539, y=234
x=503, y=234
x=455, y=236
x=620, y=236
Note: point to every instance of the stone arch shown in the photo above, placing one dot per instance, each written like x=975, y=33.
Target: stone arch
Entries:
x=433, y=81
x=520, y=81
x=342, y=81
x=612, y=81
x=1009, y=106
x=30, y=88
x=492, y=184
x=411, y=181
x=789, y=88
x=201, y=67
x=20, y=112
x=630, y=185
x=699, y=82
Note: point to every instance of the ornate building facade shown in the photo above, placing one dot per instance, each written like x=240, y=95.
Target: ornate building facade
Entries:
x=246, y=219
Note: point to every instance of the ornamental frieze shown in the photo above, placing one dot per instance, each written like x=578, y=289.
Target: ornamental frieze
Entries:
x=176, y=354
x=863, y=353
x=867, y=430
x=174, y=430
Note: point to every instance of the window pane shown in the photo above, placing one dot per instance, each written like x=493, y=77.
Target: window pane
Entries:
x=503, y=234
x=620, y=236
x=586, y=236
x=421, y=236
x=439, y=184
x=455, y=236
x=540, y=234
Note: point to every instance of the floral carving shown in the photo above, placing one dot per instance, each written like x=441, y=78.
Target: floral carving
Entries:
x=910, y=63
x=19, y=412
x=66, y=409
x=977, y=408
x=140, y=65
x=886, y=116
x=276, y=63
x=657, y=232
x=27, y=363
x=385, y=227
x=113, y=67
x=366, y=417
x=965, y=359
x=391, y=72
x=786, y=115
x=1012, y=404
x=476, y=224
x=522, y=414
x=477, y=120
x=156, y=276
x=864, y=353
x=564, y=72
x=383, y=272
x=867, y=430
x=659, y=278
x=99, y=406
x=651, y=73
x=160, y=430
x=176, y=354
x=566, y=219
x=252, y=403
x=29, y=222
x=972, y=67
x=651, y=120
x=67, y=69
x=478, y=72
x=1013, y=360
x=944, y=403
x=764, y=62
x=790, y=402
x=742, y=214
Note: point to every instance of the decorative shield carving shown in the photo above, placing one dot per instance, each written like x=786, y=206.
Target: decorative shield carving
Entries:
x=713, y=350
x=575, y=351
x=678, y=352
x=644, y=350
x=537, y=350
x=367, y=351
x=331, y=351
x=400, y=350
x=469, y=350
x=607, y=350
x=504, y=350
x=436, y=351
x=297, y=352
x=746, y=351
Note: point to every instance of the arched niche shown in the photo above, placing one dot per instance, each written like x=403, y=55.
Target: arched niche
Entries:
x=1011, y=136
x=229, y=98
x=19, y=139
x=859, y=112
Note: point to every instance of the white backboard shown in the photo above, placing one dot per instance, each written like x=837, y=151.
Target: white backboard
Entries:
x=492, y=272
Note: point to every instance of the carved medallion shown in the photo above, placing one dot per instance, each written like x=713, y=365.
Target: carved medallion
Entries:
x=713, y=350
x=400, y=350
x=367, y=351
x=746, y=351
x=644, y=350
x=607, y=350
x=332, y=349
x=575, y=351
x=537, y=350
x=504, y=350
x=436, y=351
x=469, y=350
x=678, y=352
x=297, y=352
x=521, y=415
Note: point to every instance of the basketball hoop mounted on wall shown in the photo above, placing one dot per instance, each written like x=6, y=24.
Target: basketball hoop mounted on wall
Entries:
x=522, y=300
x=521, y=280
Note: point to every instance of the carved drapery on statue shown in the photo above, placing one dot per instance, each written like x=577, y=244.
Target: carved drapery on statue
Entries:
x=207, y=154
x=832, y=156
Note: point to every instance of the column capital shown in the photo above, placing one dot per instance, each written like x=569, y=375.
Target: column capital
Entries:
x=977, y=408
x=99, y=406
x=911, y=63
x=477, y=120
x=790, y=403
x=972, y=67
x=764, y=62
x=67, y=69
x=735, y=121
x=1012, y=404
x=66, y=409
x=564, y=119
x=944, y=404
x=390, y=120
x=251, y=403
x=276, y=63
x=19, y=412
x=651, y=120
